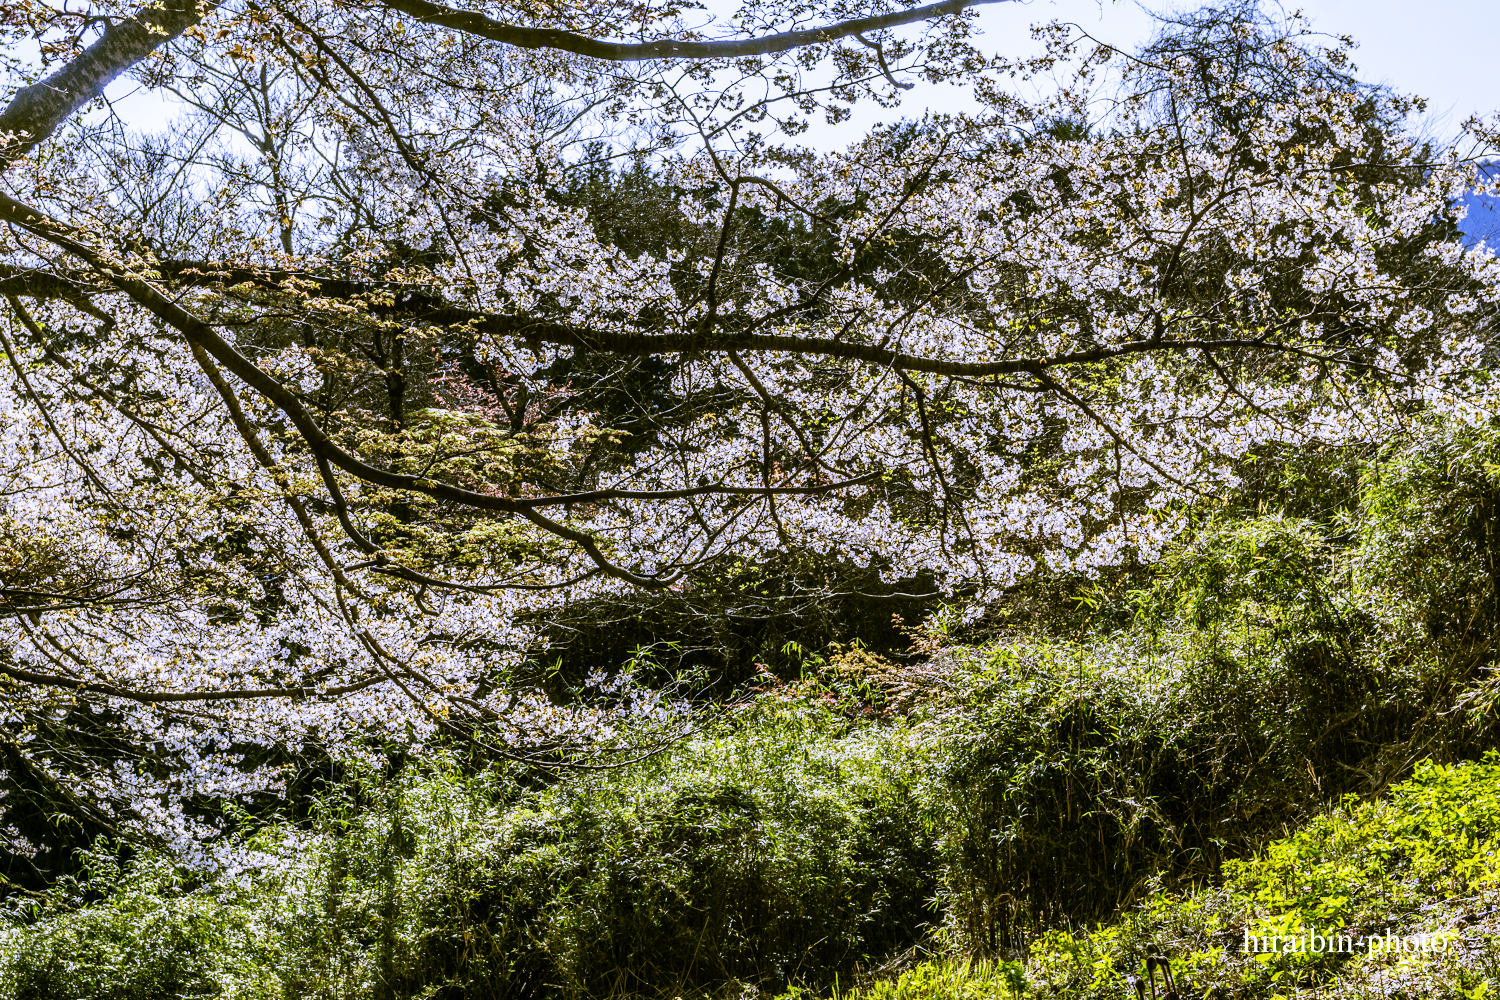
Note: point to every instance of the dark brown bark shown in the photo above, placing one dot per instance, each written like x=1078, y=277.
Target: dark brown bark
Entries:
x=162, y=697
x=667, y=48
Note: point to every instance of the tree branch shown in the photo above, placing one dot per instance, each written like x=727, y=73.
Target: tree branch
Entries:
x=567, y=41
x=203, y=336
x=874, y=354
x=36, y=111
x=156, y=697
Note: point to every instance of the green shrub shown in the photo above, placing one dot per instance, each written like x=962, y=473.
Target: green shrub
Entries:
x=150, y=936
x=789, y=846
x=1417, y=864
x=946, y=979
x=1429, y=557
x=1366, y=866
x=1268, y=668
x=1253, y=688
x=1430, y=530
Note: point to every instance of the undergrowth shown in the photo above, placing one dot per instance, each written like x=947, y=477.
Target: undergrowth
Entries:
x=1417, y=872
x=1276, y=727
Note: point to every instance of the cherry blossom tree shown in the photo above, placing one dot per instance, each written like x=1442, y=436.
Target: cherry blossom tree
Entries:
x=323, y=406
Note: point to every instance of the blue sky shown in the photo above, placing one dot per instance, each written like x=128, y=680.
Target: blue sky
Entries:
x=1483, y=221
x=1443, y=50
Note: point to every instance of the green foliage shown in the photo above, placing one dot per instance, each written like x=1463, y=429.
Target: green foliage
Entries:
x=1260, y=676
x=1084, y=768
x=1404, y=865
x=946, y=979
x=785, y=845
x=1270, y=573
x=1429, y=532
x=1360, y=865
x=144, y=934
x=1080, y=798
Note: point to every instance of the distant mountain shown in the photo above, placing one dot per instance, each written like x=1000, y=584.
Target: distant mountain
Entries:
x=1483, y=220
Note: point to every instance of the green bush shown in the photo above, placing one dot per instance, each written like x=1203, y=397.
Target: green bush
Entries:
x=150, y=936
x=946, y=979
x=787, y=846
x=1418, y=865
x=1429, y=554
x=1253, y=686
x=1267, y=668
x=1366, y=866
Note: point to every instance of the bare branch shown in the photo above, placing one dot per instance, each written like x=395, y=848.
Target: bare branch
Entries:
x=157, y=697
x=567, y=41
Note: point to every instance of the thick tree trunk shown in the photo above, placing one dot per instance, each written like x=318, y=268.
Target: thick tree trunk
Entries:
x=36, y=111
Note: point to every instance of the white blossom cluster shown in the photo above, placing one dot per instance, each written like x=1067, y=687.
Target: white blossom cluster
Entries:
x=1032, y=341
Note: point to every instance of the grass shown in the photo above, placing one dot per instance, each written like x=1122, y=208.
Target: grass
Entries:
x=1420, y=864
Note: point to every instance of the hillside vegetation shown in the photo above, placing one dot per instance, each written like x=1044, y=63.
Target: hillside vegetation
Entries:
x=1283, y=724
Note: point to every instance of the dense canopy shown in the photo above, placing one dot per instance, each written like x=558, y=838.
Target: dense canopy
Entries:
x=421, y=334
